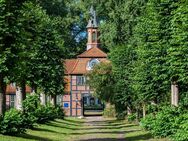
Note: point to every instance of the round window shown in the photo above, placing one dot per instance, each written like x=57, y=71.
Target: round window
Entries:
x=92, y=63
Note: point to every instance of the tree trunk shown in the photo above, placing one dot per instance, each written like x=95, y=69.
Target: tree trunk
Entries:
x=23, y=89
x=129, y=112
x=19, y=98
x=53, y=100
x=2, y=96
x=20, y=95
x=43, y=98
x=144, y=110
x=174, y=94
x=137, y=114
x=33, y=89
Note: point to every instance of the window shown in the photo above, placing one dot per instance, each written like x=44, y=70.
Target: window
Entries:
x=94, y=37
x=12, y=101
x=80, y=80
x=59, y=99
x=92, y=63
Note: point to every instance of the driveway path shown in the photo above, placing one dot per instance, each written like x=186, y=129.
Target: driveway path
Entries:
x=100, y=129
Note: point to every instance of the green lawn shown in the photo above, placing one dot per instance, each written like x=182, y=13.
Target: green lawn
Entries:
x=72, y=129
x=58, y=130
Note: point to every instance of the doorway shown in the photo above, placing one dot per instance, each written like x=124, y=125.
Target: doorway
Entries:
x=92, y=106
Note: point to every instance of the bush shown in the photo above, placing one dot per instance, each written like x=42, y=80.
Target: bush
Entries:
x=45, y=113
x=15, y=121
x=12, y=123
x=164, y=123
x=182, y=131
x=121, y=116
x=29, y=119
x=147, y=122
x=109, y=111
x=59, y=112
x=35, y=112
x=30, y=104
x=131, y=117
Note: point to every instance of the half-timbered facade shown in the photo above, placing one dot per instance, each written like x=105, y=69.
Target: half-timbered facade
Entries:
x=78, y=93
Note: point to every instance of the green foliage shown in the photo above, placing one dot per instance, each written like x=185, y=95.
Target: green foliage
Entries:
x=178, y=42
x=120, y=114
x=168, y=122
x=165, y=123
x=102, y=75
x=47, y=113
x=131, y=117
x=109, y=111
x=31, y=103
x=147, y=122
x=12, y=123
x=182, y=131
x=122, y=58
x=15, y=122
x=36, y=113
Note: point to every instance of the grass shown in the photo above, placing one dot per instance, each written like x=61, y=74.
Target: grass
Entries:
x=72, y=129
x=58, y=130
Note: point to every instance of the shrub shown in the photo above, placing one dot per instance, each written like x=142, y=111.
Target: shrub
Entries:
x=47, y=113
x=121, y=116
x=109, y=111
x=147, y=122
x=31, y=103
x=151, y=108
x=59, y=112
x=12, y=122
x=164, y=123
x=182, y=131
x=29, y=119
x=131, y=117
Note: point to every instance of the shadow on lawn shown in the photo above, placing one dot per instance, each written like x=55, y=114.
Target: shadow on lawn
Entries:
x=88, y=127
x=110, y=127
x=37, y=138
x=104, y=139
x=73, y=121
x=143, y=137
x=67, y=123
x=64, y=127
x=44, y=130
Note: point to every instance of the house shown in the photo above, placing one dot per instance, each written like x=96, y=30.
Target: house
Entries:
x=78, y=94
x=11, y=95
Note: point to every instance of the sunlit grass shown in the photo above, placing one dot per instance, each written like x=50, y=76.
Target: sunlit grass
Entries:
x=72, y=129
x=58, y=130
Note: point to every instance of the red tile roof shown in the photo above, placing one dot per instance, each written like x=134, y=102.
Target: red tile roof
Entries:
x=69, y=65
x=79, y=66
x=93, y=52
x=12, y=89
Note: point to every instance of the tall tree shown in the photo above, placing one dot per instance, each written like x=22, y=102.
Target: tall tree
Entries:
x=102, y=75
x=178, y=51
x=8, y=31
x=123, y=58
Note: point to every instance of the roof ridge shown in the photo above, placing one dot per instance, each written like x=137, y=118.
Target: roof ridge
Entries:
x=85, y=51
x=88, y=52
